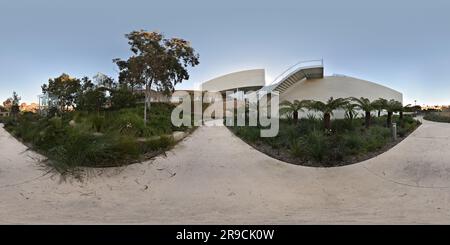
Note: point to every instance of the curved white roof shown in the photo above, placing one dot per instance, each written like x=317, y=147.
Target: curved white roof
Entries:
x=236, y=80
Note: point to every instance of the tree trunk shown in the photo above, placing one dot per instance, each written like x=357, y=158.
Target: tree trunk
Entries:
x=401, y=115
x=257, y=112
x=379, y=113
x=367, y=119
x=145, y=110
x=146, y=102
x=295, y=116
x=389, y=119
x=327, y=120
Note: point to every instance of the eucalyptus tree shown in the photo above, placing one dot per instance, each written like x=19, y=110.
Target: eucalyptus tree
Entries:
x=15, y=108
x=157, y=62
x=65, y=89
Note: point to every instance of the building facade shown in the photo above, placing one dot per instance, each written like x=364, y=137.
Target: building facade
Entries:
x=304, y=81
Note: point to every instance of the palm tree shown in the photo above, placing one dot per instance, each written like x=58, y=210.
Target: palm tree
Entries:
x=293, y=108
x=407, y=108
x=391, y=107
x=365, y=105
x=350, y=110
x=379, y=105
x=327, y=109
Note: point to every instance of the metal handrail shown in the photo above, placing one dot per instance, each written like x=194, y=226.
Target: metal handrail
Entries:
x=297, y=66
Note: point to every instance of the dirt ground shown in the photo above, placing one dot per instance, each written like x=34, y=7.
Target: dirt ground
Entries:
x=212, y=177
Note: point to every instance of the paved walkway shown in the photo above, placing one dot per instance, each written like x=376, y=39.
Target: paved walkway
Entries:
x=214, y=177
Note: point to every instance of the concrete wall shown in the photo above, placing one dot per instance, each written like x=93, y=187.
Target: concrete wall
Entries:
x=338, y=87
x=241, y=79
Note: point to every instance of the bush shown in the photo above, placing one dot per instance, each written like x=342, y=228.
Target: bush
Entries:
x=126, y=147
x=344, y=125
x=297, y=148
x=376, y=137
x=98, y=122
x=69, y=145
x=307, y=140
x=353, y=144
x=128, y=123
x=251, y=134
x=81, y=149
x=162, y=143
x=437, y=117
x=316, y=145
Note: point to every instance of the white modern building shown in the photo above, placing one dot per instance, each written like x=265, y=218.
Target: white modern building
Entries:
x=249, y=80
x=303, y=81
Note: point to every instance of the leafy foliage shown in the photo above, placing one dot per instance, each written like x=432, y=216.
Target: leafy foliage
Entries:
x=111, y=138
x=327, y=108
x=310, y=144
x=292, y=108
x=438, y=117
x=64, y=88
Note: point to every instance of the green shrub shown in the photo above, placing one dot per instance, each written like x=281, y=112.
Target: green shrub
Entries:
x=69, y=145
x=297, y=148
x=81, y=149
x=162, y=143
x=251, y=134
x=353, y=144
x=97, y=122
x=307, y=140
x=126, y=147
x=128, y=123
x=344, y=125
x=437, y=117
x=376, y=137
x=316, y=145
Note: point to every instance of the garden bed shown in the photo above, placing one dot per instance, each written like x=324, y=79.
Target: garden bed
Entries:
x=306, y=143
x=99, y=139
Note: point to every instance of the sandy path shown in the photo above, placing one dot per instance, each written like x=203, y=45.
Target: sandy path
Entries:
x=214, y=177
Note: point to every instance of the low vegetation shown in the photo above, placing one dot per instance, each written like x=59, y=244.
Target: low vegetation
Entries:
x=322, y=142
x=106, y=122
x=438, y=116
x=109, y=138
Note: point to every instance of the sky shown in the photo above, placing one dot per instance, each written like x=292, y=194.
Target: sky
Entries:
x=404, y=45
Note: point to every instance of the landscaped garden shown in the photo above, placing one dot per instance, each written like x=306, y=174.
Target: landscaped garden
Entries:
x=103, y=122
x=323, y=142
x=104, y=139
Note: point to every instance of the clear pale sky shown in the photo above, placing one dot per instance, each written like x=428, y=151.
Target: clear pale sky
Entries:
x=404, y=45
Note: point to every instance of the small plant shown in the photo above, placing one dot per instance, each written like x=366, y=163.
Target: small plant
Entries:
x=307, y=143
x=297, y=149
x=316, y=145
x=98, y=123
x=70, y=141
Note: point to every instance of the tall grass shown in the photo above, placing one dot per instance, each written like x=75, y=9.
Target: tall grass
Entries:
x=100, y=139
x=438, y=117
x=307, y=140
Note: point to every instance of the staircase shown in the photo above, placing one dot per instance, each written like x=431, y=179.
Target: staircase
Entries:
x=310, y=69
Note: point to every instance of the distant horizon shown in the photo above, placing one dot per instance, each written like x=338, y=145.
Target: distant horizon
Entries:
x=43, y=39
